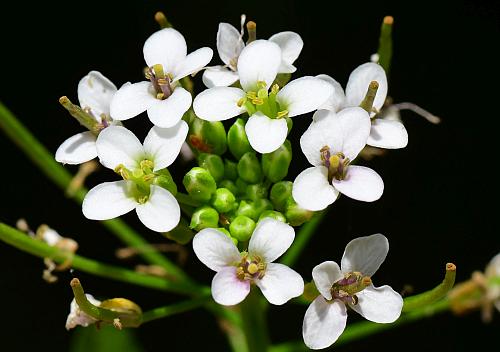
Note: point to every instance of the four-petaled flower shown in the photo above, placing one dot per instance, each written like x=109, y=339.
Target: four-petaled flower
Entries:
x=351, y=285
x=140, y=166
x=267, y=127
x=165, y=52
x=331, y=143
x=237, y=271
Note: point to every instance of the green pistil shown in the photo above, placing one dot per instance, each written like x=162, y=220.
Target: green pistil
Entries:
x=264, y=101
x=142, y=178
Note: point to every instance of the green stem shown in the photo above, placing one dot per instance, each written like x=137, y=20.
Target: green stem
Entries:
x=385, y=44
x=166, y=311
x=254, y=322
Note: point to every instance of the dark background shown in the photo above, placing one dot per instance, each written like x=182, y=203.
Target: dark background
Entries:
x=437, y=190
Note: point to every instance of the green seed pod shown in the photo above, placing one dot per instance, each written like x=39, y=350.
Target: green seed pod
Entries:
x=164, y=180
x=237, y=140
x=249, y=168
x=223, y=200
x=280, y=192
x=296, y=215
x=207, y=136
x=242, y=228
x=213, y=164
x=230, y=170
x=275, y=165
x=276, y=215
x=257, y=191
x=241, y=186
x=203, y=218
x=230, y=185
x=199, y=184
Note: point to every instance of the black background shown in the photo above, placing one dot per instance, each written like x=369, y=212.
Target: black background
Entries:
x=437, y=194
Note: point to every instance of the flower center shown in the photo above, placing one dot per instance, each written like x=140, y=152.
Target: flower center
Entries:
x=346, y=288
x=264, y=101
x=161, y=81
x=336, y=164
x=142, y=177
x=250, y=268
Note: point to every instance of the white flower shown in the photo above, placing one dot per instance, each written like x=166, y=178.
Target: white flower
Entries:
x=330, y=144
x=165, y=101
x=94, y=94
x=77, y=317
x=237, y=271
x=266, y=128
x=230, y=44
x=385, y=133
x=325, y=319
x=120, y=150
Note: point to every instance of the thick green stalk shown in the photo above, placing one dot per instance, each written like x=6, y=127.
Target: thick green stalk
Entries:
x=254, y=322
x=176, y=308
x=385, y=44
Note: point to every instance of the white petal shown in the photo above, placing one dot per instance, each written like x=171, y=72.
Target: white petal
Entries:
x=258, y=62
x=264, y=134
x=280, y=284
x=387, y=134
x=303, y=95
x=108, y=200
x=77, y=149
x=77, y=317
x=360, y=183
x=337, y=99
x=218, y=103
x=166, y=47
x=229, y=44
x=215, y=249
x=161, y=212
x=291, y=45
x=117, y=145
x=131, y=100
x=323, y=323
x=163, y=145
x=358, y=83
x=324, y=276
x=365, y=254
x=95, y=93
x=50, y=236
x=219, y=76
x=227, y=289
x=270, y=239
x=194, y=62
x=311, y=189
x=379, y=304
x=166, y=113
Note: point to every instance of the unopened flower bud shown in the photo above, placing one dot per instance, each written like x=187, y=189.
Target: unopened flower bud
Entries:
x=241, y=185
x=230, y=185
x=204, y=217
x=247, y=209
x=275, y=165
x=223, y=200
x=276, y=215
x=249, y=168
x=207, y=136
x=199, y=184
x=261, y=205
x=256, y=191
x=242, y=227
x=230, y=170
x=280, y=192
x=296, y=215
x=165, y=180
x=237, y=140
x=228, y=234
x=213, y=164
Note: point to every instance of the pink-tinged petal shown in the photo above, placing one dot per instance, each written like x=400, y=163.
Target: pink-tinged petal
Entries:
x=117, y=145
x=218, y=103
x=161, y=212
x=379, y=304
x=270, y=239
x=131, y=100
x=215, y=249
x=291, y=45
x=108, y=200
x=163, y=145
x=219, y=76
x=324, y=276
x=311, y=189
x=360, y=183
x=77, y=149
x=303, y=95
x=264, y=134
x=166, y=47
x=365, y=254
x=323, y=323
x=258, y=62
x=95, y=92
x=358, y=83
x=167, y=113
x=229, y=44
x=280, y=284
x=337, y=99
x=227, y=289
x=194, y=62
x=387, y=134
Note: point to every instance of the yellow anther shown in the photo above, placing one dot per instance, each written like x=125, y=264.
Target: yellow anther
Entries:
x=143, y=199
x=261, y=84
x=122, y=171
x=146, y=164
x=158, y=70
x=241, y=102
x=252, y=268
x=282, y=113
x=251, y=95
x=366, y=281
x=262, y=93
x=258, y=101
x=160, y=96
x=148, y=178
x=275, y=89
x=334, y=161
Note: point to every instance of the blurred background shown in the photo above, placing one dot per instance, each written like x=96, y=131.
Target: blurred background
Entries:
x=436, y=206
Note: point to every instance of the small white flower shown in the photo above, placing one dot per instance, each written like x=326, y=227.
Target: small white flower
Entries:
x=94, y=94
x=230, y=44
x=326, y=317
x=120, y=150
x=385, y=133
x=77, y=317
x=237, y=271
x=165, y=101
x=266, y=128
x=330, y=144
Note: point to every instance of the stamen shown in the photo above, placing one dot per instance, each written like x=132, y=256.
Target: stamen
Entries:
x=252, y=31
x=281, y=114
